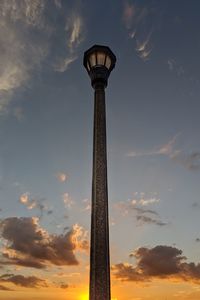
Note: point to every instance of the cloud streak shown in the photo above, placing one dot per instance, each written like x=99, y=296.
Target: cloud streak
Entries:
x=135, y=20
x=75, y=35
x=190, y=161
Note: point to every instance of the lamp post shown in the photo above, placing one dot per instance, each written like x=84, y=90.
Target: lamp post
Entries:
x=99, y=61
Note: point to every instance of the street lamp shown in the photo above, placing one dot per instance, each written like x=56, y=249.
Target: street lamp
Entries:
x=99, y=61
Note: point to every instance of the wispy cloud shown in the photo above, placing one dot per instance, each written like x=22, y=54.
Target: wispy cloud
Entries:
x=87, y=204
x=67, y=200
x=74, y=29
x=144, y=46
x=138, y=207
x=166, y=149
x=174, y=66
x=22, y=52
x=61, y=65
x=75, y=35
x=128, y=14
x=32, y=203
x=19, y=57
x=163, y=262
x=135, y=20
x=191, y=161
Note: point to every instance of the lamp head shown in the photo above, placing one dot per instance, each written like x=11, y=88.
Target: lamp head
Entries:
x=99, y=61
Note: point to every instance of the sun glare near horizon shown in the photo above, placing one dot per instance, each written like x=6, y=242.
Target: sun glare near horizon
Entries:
x=84, y=297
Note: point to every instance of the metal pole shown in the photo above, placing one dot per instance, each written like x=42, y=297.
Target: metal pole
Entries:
x=99, y=249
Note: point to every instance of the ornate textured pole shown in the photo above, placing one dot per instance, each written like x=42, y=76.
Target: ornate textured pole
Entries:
x=99, y=255
x=99, y=61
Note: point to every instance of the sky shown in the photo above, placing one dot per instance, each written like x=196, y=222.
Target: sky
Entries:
x=46, y=124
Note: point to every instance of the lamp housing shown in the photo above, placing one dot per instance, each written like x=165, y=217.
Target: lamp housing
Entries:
x=99, y=61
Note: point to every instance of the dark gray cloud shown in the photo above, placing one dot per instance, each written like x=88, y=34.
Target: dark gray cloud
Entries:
x=145, y=211
x=158, y=262
x=197, y=240
x=28, y=282
x=149, y=220
x=34, y=247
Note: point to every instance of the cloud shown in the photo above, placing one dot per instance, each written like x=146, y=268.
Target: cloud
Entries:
x=19, y=57
x=23, y=52
x=64, y=286
x=62, y=65
x=67, y=200
x=28, y=282
x=4, y=288
x=145, y=202
x=128, y=14
x=74, y=28
x=166, y=149
x=87, y=204
x=75, y=35
x=190, y=161
x=142, y=211
x=197, y=240
x=137, y=207
x=26, y=11
x=174, y=66
x=145, y=219
x=32, y=203
x=144, y=46
x=30, y=245
x=136, y=20
x=163, y=262
x=80, y=238
x=58, y=3
x=62, y=177
x=24, y=198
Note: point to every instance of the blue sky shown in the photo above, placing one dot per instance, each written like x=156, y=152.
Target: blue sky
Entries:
x=46, y=123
